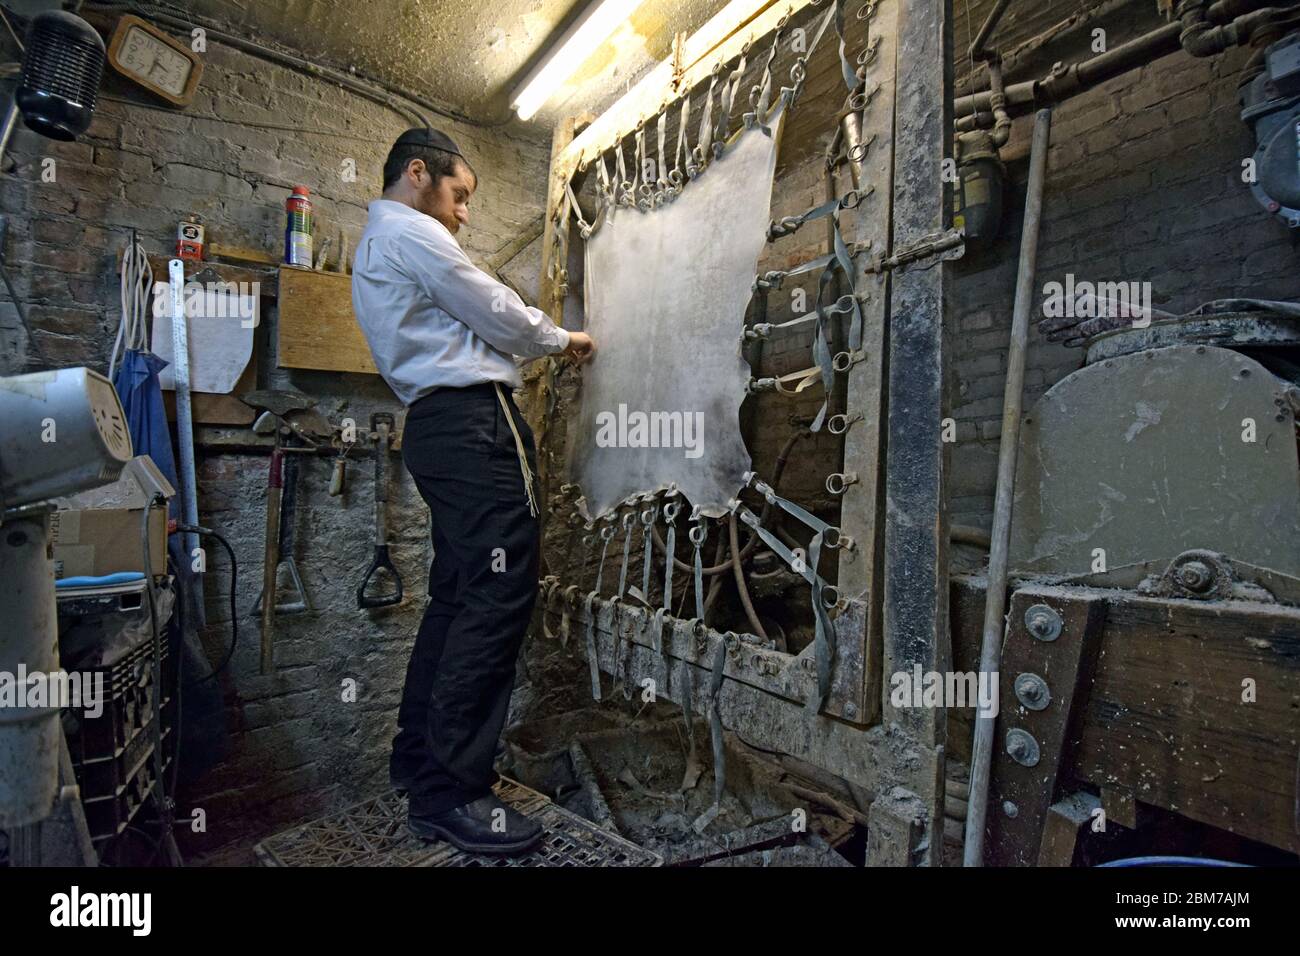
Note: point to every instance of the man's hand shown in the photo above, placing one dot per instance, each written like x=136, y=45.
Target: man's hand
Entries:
x=581, y=347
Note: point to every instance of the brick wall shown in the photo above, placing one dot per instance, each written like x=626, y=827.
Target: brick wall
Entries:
x=292, y=747
x=1143, y=185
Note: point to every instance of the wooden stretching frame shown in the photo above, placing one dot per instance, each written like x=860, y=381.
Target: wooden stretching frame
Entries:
x=895, y=579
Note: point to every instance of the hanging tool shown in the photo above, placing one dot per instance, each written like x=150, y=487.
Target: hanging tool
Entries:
x=285, y=558
x=381, y=429
x=295, y=411
x=271, y=563
x=339, y=476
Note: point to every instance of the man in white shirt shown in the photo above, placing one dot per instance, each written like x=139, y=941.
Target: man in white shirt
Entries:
x=443, y=335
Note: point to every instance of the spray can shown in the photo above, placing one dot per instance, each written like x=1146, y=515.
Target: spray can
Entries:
x=189, y=239
x=298, y=228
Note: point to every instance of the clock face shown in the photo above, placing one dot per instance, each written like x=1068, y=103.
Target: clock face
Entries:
x=154, y=62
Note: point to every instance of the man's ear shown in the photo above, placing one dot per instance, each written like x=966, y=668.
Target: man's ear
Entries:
x=413, y=169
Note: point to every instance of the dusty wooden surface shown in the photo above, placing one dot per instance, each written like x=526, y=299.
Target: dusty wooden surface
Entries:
x=316, y=327
x=1164, y=716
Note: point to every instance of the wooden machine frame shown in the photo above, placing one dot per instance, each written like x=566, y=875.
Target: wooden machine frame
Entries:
x=895, y=617
x=1143, y=705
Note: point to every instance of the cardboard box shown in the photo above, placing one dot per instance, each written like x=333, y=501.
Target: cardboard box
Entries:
x=98, y=532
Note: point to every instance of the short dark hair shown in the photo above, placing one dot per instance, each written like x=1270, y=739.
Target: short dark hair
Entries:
x=439, y=162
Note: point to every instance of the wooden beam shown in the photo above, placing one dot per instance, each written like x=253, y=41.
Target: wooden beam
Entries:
x=1164, y=716
x=1042, y=685
x=548, y=299
x=861, y=512
x=1065, y=822
x=719, y=40
x=1195, y=707
x=916, y=518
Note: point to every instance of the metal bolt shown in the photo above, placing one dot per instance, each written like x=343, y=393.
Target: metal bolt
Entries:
x=1043, y=622
x=1022, y=747
x=1010, y=809
x=1032, y=691
x=1195, y=576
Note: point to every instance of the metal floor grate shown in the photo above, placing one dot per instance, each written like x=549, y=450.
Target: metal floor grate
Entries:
x=373, y=833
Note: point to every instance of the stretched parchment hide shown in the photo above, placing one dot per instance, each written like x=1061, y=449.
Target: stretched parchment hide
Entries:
x=666, y=292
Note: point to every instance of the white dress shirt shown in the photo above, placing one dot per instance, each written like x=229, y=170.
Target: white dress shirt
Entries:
x=430, y=316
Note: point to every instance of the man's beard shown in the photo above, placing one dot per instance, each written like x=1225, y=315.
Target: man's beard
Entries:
x=426, y=203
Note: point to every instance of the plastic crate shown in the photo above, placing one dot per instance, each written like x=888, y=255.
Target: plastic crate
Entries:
x=112, y=754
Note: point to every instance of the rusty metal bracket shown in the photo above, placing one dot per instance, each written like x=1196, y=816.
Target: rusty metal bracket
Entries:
x=930, y=249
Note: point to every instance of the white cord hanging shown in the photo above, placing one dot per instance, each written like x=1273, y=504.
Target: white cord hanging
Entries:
x=134, y=297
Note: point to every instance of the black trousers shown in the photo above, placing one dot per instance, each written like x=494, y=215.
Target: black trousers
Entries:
x=458, y=446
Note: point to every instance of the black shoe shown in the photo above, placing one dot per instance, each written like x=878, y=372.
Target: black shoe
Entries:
x=477, y=827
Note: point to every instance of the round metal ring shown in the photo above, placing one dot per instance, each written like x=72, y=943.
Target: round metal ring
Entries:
x=830, y=596
x=836, y=483
x=831, y=538
x=842, y=362
x=671, y=510
x=588, y=540
x=851, y=200
x=858, y=102
x=867, y=10
x=697, y=534
x=837, y=424
x=629, y=520
x=857, y=152
x=797, y=72
x=607, y=533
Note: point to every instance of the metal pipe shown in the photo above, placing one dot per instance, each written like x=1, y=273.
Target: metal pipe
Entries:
x=29, y=650
x=1008, y=446
x=1192, y=33
x=7, y=131
x=990, y=23
x=998, y=100
x=1201, y=38
x=1078, y=77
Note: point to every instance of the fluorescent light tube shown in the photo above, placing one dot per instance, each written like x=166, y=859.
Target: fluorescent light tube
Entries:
x=589, y=31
